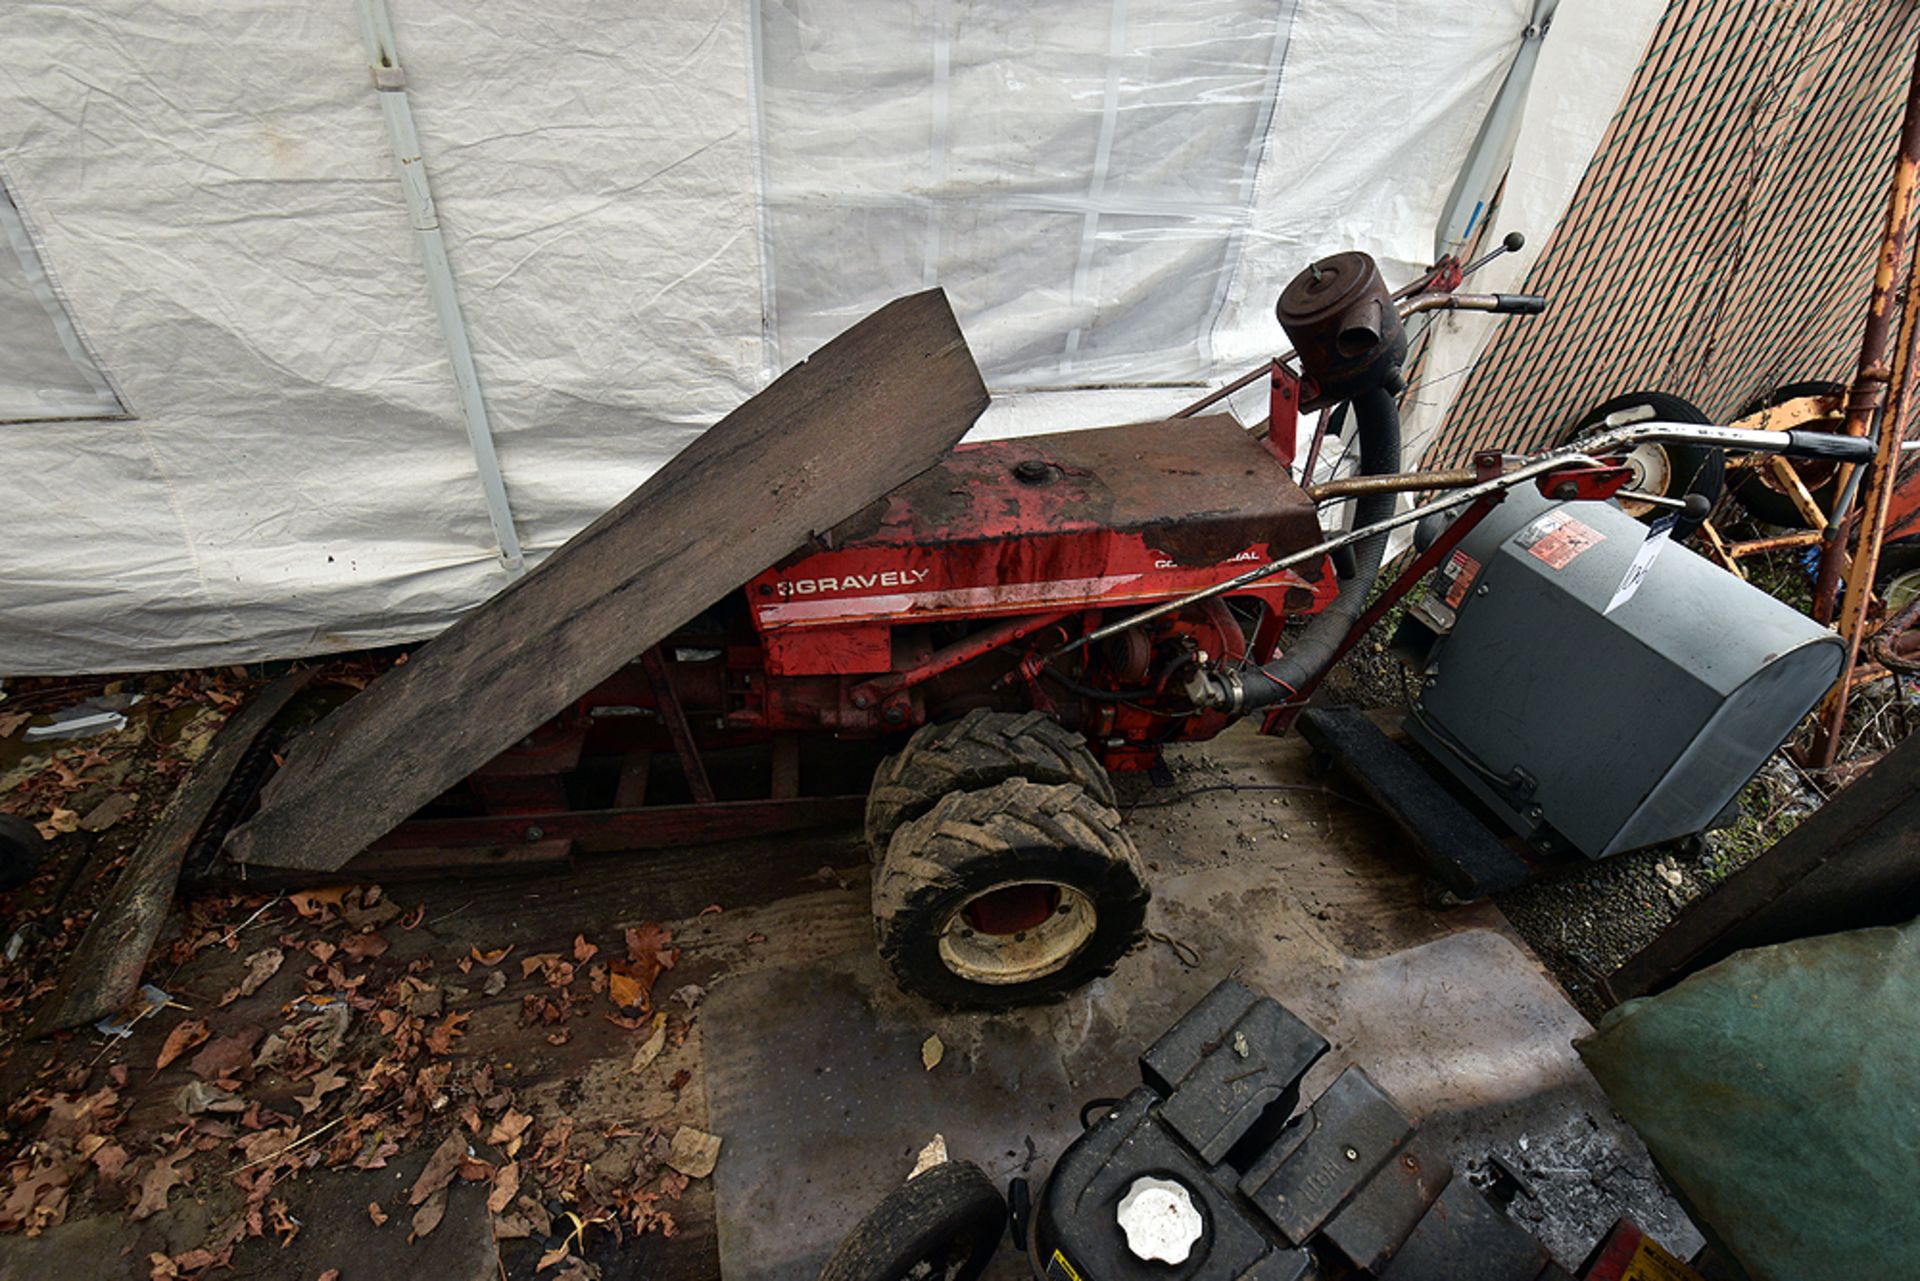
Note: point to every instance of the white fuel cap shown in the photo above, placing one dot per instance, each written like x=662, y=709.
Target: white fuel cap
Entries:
x=1160, y=1220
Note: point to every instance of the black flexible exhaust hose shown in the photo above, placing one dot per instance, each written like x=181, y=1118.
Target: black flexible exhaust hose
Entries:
x=1377, y=419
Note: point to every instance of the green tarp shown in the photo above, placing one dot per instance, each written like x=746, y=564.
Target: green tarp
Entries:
x=1780, y=1091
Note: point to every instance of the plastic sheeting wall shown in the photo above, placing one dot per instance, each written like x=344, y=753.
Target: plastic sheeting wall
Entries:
x=648, y=215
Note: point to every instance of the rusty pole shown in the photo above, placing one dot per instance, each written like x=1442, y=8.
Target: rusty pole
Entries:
x=1869, y=400
x=1873, y=372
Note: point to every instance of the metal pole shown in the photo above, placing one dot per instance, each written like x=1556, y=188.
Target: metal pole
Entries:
x=383, y=53
x=1883, y=474
x=1873, y=372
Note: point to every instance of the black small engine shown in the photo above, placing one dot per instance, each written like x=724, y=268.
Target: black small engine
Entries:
x=1204, y=1173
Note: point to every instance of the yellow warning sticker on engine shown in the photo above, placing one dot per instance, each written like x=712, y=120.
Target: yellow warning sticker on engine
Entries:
x=1651, y=1263
x=1058, y=1269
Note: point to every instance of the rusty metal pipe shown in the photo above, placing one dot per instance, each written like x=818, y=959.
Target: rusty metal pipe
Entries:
x=1873, y=373
x=1753, y=547
x=1401, y=482
x=1888, y=406
x=1888, y=649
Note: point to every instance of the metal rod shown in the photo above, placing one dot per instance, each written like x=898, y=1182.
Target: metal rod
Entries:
x=383, y=52
x=1585, y=451
x=1404, y=482
x=1872, y=373
x=1884, y=471
x=1753, y=547
x=1246, y=379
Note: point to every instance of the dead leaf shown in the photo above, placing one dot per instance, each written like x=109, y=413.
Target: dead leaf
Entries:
x=428, y=1216
x=496, y=983
x=152, y=1187
x=109, y=812
x=261, y=966
x=625, y=990
x=325, y=1082
x=506, y=1186
x=931, y=1052
x=490, y=958
x=375, y=1213
x=440, y=1038
x=509, y=1132
x=693, y=1152
x=649, y=951
x=359, y=947
x=439, y=1169
x=529, y=964
x=185, y=1035
x=331, y=1274
x=369, y=909
x=11, y=721
x=198, y=1097
x=60, y=820
x=226, y=1056
x=650, y=1049
x=109, y=1159
x=584, y=951
x=318, y=905
x=322, y=950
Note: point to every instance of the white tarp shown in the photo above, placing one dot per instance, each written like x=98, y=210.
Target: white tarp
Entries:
x=649, y=210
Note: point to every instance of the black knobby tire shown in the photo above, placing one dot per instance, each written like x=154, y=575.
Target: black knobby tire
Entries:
x=1694, y=469
x=1763, y=501
x=977, y=751
x=1035, y=838
x=948, y=1218
x=21, y=849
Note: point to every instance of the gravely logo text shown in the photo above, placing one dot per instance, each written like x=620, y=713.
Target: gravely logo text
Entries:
x=854, y=582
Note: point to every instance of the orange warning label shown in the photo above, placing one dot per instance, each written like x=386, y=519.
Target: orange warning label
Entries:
x=1462, y=569
x=1556, y=538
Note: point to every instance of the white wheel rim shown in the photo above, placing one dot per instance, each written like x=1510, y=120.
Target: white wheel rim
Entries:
x=1652, y=469
x=1024, y=955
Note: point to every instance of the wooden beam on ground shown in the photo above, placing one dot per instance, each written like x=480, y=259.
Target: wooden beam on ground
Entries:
x=867, y=412
x=105, y=968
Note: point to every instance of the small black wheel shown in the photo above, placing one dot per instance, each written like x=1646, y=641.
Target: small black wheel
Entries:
x=977, y=751
x=941, y=1225
x=1010, y=895
x=1663, y=470
x=1757, y=488
x=21, y=849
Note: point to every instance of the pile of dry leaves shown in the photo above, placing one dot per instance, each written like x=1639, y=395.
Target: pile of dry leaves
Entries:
x=329, y=1051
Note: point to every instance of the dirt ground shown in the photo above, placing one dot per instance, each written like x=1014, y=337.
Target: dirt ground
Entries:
x=506, y=1078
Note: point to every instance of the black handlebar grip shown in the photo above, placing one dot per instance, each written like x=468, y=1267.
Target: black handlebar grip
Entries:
x=1835, y=445
x=1519, y=304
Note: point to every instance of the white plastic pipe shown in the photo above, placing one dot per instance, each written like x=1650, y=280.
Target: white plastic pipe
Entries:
x=383, y=55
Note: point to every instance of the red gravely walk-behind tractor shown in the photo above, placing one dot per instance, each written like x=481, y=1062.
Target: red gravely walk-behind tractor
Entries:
x=1013, y=625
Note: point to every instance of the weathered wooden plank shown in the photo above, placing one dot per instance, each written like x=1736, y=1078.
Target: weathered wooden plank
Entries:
x=869, y=411
x=105, y=968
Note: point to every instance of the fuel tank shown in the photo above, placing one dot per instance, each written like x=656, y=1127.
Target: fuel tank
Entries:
x=1113, y=517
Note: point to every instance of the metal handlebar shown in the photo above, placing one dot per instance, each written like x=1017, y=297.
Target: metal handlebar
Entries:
x=1585, y=452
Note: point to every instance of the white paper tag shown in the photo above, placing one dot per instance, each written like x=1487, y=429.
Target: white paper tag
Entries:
x=1643, y=561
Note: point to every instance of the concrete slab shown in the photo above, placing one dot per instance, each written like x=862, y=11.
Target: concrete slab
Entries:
x=814, y=1069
